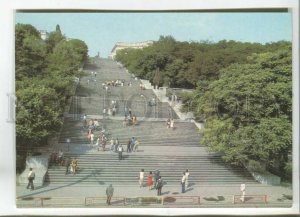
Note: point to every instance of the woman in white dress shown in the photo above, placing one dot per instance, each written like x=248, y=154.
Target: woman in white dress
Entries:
x=187, y=173
x=141, y=178
x=172, y=124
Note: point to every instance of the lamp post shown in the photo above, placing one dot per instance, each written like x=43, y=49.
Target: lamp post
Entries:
x=68, y=140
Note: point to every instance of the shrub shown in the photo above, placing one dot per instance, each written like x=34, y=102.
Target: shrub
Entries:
x=288, y=169
x=255, y=166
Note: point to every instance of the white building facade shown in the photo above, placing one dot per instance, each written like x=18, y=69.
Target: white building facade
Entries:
x=124, y=45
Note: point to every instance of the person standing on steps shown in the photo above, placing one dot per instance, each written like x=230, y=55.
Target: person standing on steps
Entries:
x=117, y=143
x=132, y=144
x=112, y=145
x=183, y=183
x=92, y=138
x=67, y=165
x=243, y=192
x=187, y=174
x=156, y=176
x=128, y=145
x=136, y=145
x=103, y=141
x=150, y=181
x=172, y=124
x=159, y=186
x=141, y=178
x=168, y=123
x=120, y=151
x=109, y=194
x=129, y=112
x=31, y=177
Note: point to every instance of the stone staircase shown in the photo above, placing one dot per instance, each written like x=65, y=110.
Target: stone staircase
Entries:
x=152, y=133
x=102, y=169
x=91, y=98
x=170, y=151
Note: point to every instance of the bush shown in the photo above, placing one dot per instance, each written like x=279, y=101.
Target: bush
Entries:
x=20, y=162
x=288, y=170
x=256, y=166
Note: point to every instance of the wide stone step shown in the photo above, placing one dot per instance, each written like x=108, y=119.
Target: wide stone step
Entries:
x=94, y=179
x=125, y=136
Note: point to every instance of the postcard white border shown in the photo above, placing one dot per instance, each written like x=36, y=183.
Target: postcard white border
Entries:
x=7, y=131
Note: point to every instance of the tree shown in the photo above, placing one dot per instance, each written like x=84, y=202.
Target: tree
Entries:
x=65, y=58
x=54, y=38
x=248, y=110
x=200, y=60
x=45, y=73
x=38, y=113
x=30, y=51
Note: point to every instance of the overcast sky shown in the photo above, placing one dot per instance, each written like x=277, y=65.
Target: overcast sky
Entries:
x=101, y=31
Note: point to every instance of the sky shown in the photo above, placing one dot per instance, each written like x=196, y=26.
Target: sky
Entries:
x=102, y=30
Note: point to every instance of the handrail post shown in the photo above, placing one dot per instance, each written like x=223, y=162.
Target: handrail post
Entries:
x=84, y=201
x=199, y=200
x=162, y=200
x=233, y=199
x=124, y=201
x=42, y=202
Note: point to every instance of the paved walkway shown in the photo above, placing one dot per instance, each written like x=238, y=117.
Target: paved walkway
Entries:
x=210, y=195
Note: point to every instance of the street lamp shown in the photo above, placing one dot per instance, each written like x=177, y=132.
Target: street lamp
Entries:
x=68, y=140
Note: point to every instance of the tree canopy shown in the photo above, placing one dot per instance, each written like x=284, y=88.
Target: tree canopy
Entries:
x=248, y=110
x=45, y=72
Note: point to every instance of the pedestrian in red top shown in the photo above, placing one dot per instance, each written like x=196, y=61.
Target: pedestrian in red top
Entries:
x=150, y=180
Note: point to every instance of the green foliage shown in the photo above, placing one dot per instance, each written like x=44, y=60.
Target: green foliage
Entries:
x=38, y=113
x=54, y=38
x=80, y=48
x=182, y=64
x=30, y=52
x=65, y=57
x=255, y=166
x=45, y=72
x=288, y=170
x=248, y=110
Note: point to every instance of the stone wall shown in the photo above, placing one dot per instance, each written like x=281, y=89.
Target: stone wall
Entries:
x=266, y=178
x=39, y=165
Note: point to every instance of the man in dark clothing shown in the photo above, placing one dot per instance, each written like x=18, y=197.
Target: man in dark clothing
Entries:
x=156, y=176
x=131, y=144
x=67, y=165
x=31, y=176
x=128, y=146
x=159, y=186
x=109, y=193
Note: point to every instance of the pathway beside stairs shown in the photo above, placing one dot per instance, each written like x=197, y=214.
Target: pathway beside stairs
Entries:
x=170, y=151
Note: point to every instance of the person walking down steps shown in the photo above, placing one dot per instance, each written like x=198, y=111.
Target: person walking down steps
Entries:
x=159, y=186
x=109, y=194
x=141, y=178
x=183, y=183
x=150, y=180
x=187, y=174
x=120, y=151
x=31, y=177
